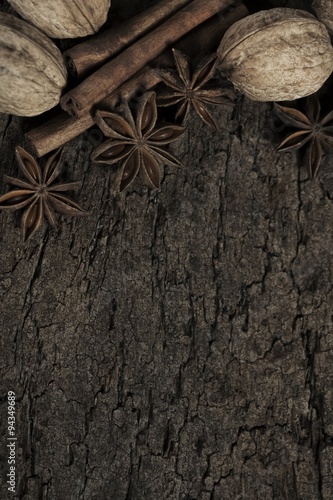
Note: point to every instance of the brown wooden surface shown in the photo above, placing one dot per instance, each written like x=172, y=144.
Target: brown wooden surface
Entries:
x=174, y=345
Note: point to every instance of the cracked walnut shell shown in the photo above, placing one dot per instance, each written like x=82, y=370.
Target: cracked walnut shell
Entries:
x=64, y=18
x=277, y=55
x=32, y=71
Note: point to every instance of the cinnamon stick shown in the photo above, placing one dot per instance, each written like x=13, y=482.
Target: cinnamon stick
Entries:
x=88, y=55
x=96, y=87
x=63, y=128
x=202, y=40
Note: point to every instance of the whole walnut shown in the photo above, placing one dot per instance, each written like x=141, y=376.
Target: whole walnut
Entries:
x=32, y=73
x=277, y=55
x=64, y=18
x=324, y=11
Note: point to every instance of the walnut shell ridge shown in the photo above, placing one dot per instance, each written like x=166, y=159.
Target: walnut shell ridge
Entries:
x=64, y=18
x=32, y=73
x=277, y=55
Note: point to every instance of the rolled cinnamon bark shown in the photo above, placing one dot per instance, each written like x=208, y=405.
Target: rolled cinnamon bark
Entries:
x=107, y=79
x=62, y=128
x=88, y=55
x=204, y=39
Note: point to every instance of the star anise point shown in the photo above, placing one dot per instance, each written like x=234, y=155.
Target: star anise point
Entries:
x=38, y=194
x=137, y=143
x=311, y=131
x=188, y=89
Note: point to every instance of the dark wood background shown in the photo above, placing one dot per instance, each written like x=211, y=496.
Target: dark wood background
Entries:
x=174, y=345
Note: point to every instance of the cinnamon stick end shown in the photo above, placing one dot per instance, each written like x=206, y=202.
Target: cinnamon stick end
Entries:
x=33, y=146
x=71, y=105
x=70, y=65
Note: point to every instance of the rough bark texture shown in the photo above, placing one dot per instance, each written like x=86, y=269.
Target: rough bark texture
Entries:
x=174, y=345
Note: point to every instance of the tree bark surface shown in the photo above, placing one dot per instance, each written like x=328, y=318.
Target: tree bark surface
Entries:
x=178, y=344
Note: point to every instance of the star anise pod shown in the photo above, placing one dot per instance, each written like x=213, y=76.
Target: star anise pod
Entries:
x=38, y=194
x=138, y=144
x=188, y=88
x=312, y=130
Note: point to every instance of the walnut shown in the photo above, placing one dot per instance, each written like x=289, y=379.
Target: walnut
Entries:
x=324, y=11
x=32, y=72
x=276, y=55
x=64, y=18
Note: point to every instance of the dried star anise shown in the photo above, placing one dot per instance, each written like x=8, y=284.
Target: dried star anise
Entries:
x=138, y=144
x=39, y=194
x=316, y=133
x=188, y=88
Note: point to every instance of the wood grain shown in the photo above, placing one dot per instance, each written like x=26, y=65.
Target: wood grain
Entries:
x=175, y=345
